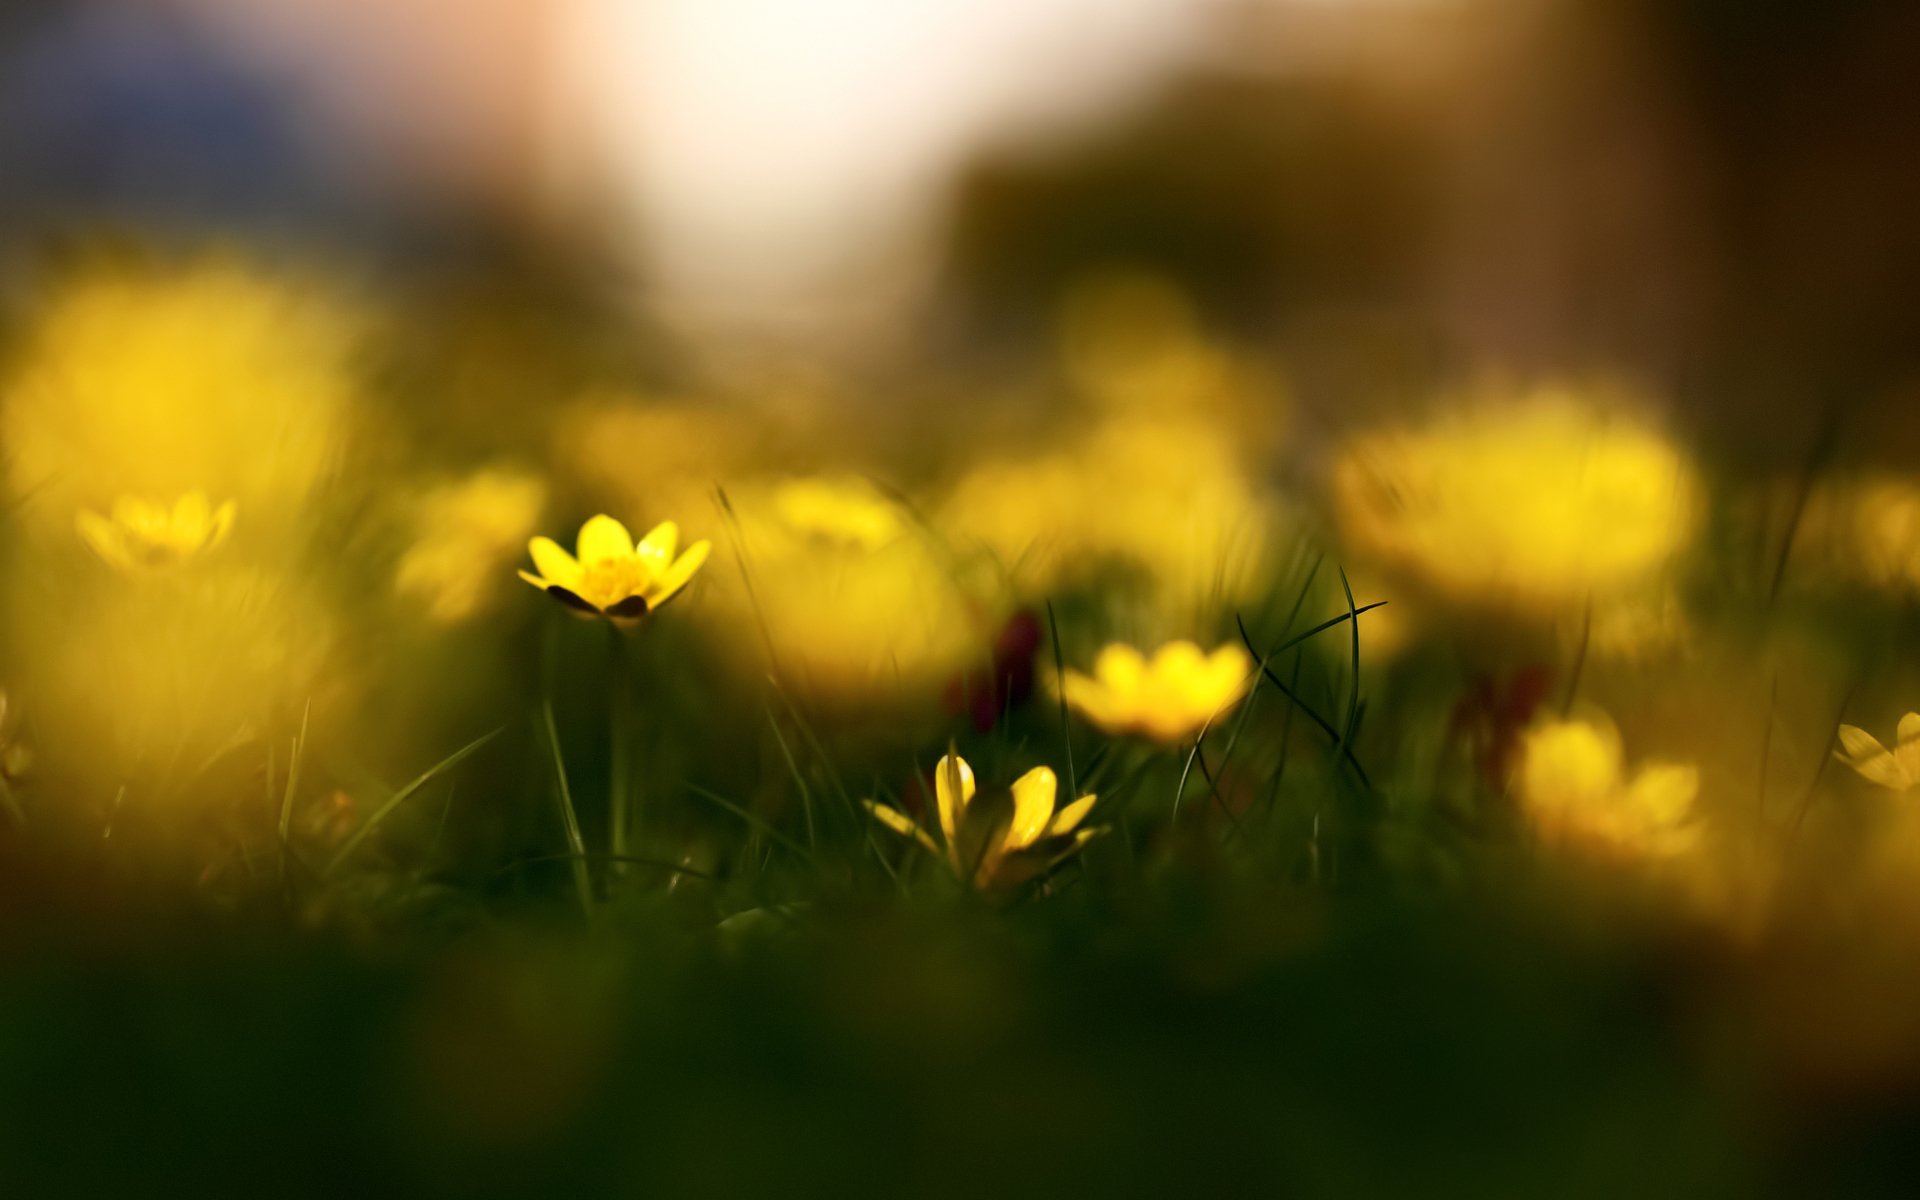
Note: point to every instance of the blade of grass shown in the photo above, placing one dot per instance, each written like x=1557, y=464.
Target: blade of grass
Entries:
x=799, y=777
x=569, y=818
x=759, y=823
x=294, y=761
x=1325, y=726
x=400, y=797
x=580, y=859
x=1059, y=682
x=1353, y=627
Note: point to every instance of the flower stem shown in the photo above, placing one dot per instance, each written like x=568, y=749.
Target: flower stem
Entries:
x=619, y=751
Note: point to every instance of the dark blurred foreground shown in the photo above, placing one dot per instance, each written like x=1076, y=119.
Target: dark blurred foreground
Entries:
x=1289, y=1044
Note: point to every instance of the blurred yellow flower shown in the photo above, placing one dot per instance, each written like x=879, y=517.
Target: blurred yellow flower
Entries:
x=142, y=534
x=611, y=576
x=1573, y=789
x=1864, y=530
x=861, y=604
x=151, y=383
x=140, y=682
x=464, y=531
x=1897, y=769
x=996, y=850
x=1169, y=498
x=1168, y=698
x=688, y=447
x=841, y=509
x=1534, y=506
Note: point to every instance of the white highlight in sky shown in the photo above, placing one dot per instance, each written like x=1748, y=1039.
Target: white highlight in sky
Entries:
x=777, y=155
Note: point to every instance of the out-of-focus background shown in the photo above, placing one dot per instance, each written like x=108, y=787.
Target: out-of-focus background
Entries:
x=1707, y=193
x=979, y=337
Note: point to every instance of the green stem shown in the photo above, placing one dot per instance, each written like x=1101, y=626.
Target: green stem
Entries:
x=620, y=750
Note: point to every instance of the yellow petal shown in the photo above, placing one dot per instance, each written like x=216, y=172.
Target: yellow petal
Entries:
x=132, y=511
x=1068, y=818
x=1120, y=667
x=1864, y=753
x=1074, y=847
x=953, y=791
x=191, y=513
x=555, y=564
x=1229, y=673
x=103, y=537
x=1033, y=797
x=900, y=823
x=603, y=538
x=1906, y=747
x=1663, y=793
x=656, y=549
x=222, y=523
x=1178, y=664
x=663, y=588
x=1088, y=696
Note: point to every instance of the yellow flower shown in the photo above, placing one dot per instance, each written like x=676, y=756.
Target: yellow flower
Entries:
x=1168, y=498
x=887, y=615
x=1168, y=698
x=611, y=576
x=1534, y=506
x=1864, y=530
x=996, y=850
x=152, y=381
x=464, y=531
x=144, y=533
x=194, y=670
x=850, y=511
x=1573, y=790
x=1898, y=768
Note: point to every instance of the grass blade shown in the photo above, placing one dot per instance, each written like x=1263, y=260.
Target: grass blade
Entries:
x=569, y=818
x=403, y=795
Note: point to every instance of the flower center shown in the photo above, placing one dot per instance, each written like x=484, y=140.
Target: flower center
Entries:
x=607, y=581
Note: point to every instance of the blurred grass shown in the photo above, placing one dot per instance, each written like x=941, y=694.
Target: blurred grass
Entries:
x=1283, y=1040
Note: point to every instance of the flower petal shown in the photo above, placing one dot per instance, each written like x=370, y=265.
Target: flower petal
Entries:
x=572, y=600
x=1230, y=674
x=656, y=549
x=1906, y=747
x=103, y=537
x=1069, y=818
x=952, y=791
x=1120, y=667
x=133, y=511
x=663, y=588
x=900, y=823
x=630, y=608
x=1864, y=753
x=1178, y=665
x=603, y=538
x=1033, y=797
x=191, y=511
x=553, y=563
x=221, y=524
x=1663, y=793
x=1089, y=697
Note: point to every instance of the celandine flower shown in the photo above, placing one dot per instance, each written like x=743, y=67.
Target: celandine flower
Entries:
x=1573, y=789
x=1167, y=698
x=1538, y=506
x=140, y=534
x=464, y=530
x=208, y=374
x=1897, y=769
x=611, y=576
x=981, y=847
x=886, y=613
